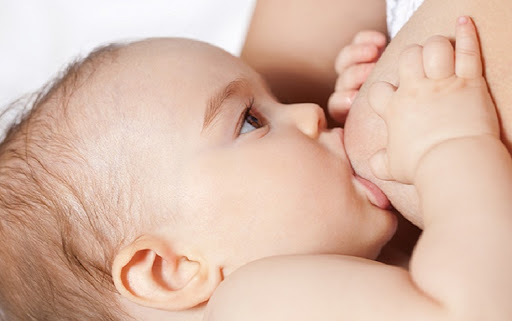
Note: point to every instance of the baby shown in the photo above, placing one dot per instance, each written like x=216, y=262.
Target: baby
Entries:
x=151, y=171
x=443, y=137
x=353, y=64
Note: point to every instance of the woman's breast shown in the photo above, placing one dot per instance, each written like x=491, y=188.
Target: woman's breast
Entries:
x=365, y=132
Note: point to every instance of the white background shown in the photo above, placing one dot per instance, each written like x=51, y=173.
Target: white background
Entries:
x=39, y=37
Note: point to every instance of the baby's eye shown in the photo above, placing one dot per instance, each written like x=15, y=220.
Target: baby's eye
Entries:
x=251, y=120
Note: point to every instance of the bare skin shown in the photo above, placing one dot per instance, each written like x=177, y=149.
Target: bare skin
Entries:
x=365, y=131
x=293, y=44
x=353, y=64
x=217, y=156
x=450, y=150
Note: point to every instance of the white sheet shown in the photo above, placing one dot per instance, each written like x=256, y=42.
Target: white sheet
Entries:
x=37, y=38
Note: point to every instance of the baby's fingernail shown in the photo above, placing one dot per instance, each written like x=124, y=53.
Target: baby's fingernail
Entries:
x=462, y=20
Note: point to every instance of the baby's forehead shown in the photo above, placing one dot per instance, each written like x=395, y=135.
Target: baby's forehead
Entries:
x=157, y=87
x=153, y=96
x=178, y=57
x=182, y=68
x=168, y=77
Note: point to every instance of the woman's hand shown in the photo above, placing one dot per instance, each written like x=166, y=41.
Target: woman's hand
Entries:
x=353, y=65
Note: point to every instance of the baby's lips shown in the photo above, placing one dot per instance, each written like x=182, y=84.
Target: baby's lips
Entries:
x=375, y=194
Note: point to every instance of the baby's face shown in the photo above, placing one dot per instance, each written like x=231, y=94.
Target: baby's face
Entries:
x=250, y=177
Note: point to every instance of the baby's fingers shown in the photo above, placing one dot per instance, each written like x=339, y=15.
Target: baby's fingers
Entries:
x=468, y=60
x=379, y=165
x=370, y=36
x=339, y=104
x=356, y=54
x=379, y=97
x=354, y=77
x=410, y=65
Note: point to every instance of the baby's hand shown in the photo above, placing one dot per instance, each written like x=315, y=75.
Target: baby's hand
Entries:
x=442, y=97
x=353, y=65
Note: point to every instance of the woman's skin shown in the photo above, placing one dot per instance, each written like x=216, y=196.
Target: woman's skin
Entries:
x=458, y=271
x=364, y=131
x=293, y=43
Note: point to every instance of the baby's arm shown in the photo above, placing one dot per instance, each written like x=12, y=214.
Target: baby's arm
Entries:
x=444, y=138
x=293, y=43
x=449, y=147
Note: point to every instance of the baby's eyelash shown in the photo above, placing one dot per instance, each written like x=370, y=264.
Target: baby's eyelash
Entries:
x=248, y=107
x=252, y=116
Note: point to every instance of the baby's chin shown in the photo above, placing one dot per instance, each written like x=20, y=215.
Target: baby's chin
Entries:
x=385, y=228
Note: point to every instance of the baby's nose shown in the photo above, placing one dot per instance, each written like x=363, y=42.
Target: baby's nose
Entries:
x=309, y=118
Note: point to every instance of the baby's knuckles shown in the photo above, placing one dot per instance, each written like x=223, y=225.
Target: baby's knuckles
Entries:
x=424, y=88
x=426, y=112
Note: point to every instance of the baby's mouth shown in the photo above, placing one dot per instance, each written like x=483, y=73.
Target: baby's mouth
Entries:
x=374, y=193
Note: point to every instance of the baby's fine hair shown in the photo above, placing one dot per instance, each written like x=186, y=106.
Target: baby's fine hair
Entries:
x=61, y=221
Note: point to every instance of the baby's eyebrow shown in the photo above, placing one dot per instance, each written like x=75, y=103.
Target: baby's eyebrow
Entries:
x=216, y=102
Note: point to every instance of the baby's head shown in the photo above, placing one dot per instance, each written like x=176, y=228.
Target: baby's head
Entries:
x=152, y=170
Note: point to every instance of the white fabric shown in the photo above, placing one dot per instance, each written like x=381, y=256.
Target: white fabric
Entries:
x=38, y=38
x=398, y=12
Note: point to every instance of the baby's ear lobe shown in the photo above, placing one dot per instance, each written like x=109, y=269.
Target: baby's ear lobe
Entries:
x=151, y=273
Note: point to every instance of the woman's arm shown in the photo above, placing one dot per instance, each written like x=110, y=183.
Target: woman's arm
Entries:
x=294, y=43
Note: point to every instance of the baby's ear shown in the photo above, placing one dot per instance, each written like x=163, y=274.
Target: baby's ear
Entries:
x=150, y=272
